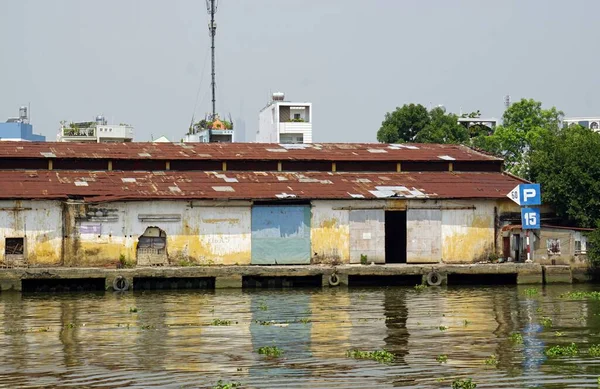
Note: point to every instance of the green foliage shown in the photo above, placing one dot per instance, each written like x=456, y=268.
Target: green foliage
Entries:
x=466, y=383
x=364, y=259
x=124, y=263
x=219, y=322
x=227, y=385
x=420, y=287
x=413, y=123
x=524, y=123
x=443, y=328
x=567, y=165
x=442, y=358
x=516, y=338
x=581, y=295
x=133, y=309
x=563, y=351
x=594, y=350
x=381, y=356
x=531, y=292
x=492, y=360
x=270, y=351
x=546, y=322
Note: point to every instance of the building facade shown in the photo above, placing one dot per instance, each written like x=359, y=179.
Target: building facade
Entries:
x=225, y=204
x=285, y=122
x=592, y=122
x=19, y=129
x=98, y=131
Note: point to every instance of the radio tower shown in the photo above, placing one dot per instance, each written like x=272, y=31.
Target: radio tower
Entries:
x=211, y=7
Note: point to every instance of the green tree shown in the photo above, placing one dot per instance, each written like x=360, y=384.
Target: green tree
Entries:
x=567, y=165
x=413, y=123
x=442, y=128
x=524, y=122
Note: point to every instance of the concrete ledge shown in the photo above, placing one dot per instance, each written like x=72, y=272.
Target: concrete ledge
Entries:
x=231, y=276
x=580, y=274
x=557, y=274
x=229, y=282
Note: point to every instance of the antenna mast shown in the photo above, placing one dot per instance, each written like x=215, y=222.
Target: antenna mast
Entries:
x=211, y=7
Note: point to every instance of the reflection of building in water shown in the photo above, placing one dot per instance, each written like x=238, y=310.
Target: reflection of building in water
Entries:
x=396, y=315
x=368, y=321
x=194, y=344
x=286, y=332
x=331, y=325
x=15, y=349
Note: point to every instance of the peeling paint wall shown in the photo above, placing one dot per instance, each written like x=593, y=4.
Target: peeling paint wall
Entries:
x=330, y=233
x=196, y=233
x=468, y=234
x=562, y=239
x=39, y=223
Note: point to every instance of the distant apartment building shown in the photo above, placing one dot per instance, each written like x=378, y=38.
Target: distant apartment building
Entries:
x=285, y=122
x=587, y=122
x=19, y=129
x=98, y=131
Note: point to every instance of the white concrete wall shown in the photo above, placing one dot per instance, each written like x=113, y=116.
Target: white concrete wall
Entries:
x=423, y=230
x=267, y=125
x=39, y=222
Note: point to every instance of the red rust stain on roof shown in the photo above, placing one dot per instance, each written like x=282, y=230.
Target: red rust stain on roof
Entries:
x=244, y=151
x=116, y=185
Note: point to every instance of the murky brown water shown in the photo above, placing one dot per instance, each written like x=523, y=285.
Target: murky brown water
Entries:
x=93, y=340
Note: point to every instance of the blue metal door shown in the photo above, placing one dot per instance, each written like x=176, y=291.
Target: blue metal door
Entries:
x=280, y=234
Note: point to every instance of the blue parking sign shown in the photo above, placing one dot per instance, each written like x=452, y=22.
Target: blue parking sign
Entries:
x=530, y=218
x=530, y=194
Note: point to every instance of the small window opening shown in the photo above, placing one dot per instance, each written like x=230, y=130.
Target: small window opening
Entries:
x=14, y=246
x=152, y=247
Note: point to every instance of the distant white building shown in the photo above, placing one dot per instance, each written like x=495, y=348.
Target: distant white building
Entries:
x=592, y=122
x=285, y=122
x=98, y=131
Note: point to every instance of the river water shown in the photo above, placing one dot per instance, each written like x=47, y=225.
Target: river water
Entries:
x=171, y=340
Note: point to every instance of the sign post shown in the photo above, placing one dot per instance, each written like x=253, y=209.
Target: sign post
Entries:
x=528, y=195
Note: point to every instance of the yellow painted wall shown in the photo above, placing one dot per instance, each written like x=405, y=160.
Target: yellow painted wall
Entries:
x=39, y=223
x=330, y=233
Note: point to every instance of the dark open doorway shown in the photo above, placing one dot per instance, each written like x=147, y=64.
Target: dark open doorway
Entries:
x=395, y=236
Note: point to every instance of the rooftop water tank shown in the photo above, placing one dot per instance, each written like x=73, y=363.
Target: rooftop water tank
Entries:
x=278, y=96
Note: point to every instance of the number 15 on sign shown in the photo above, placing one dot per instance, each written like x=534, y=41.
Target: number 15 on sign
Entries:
x=530, y=218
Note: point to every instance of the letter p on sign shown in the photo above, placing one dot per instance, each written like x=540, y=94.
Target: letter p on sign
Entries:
x=530, y=194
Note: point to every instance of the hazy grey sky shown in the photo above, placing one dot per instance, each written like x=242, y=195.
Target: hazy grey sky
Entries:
x=141, y=61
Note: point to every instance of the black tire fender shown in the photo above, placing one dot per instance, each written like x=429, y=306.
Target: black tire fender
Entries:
x=434, y=279
x=334, y=280
x=120, y=284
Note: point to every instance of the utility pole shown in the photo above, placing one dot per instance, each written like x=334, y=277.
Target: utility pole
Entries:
x=211, y=7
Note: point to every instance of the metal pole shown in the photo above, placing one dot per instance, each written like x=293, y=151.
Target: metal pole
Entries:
x=528, y=246
x=213, y=30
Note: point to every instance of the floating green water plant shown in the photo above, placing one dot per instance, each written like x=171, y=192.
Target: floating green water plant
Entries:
x=219, y=322
x=133, y=310
x=563, y=351
x=420, y=287
x=442, y=358
x=531, y=292
x=466, y=322
x=263, y=306
x=227, y=385
x=594, y=350
x=492, y=360
x=516, y=338
x=581, y=295
x=270, y=351
x=466, y=383
x=546, y=322
x=443, y=328
x=381, y=356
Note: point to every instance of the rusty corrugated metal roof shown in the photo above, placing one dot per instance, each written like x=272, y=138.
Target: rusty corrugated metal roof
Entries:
x=100, y=186
x=244, y=151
